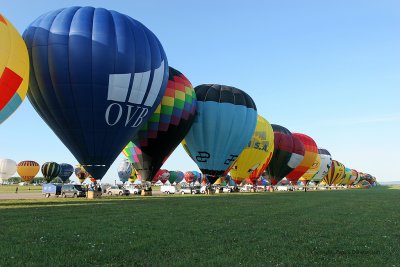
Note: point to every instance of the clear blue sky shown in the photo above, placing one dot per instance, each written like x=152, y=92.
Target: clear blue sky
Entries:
x=329, y=69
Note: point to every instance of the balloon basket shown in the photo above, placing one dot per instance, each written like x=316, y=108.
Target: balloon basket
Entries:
x=93, y=194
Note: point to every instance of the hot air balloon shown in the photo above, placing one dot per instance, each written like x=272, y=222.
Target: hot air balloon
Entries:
x=326, y=162
x=355, y=175
x=346, y=177
x=173, y=175
x=28, y=169
x=310, y=154
x=335, y=173
x=180, y=176
x=14, y=69
x=81, y=173
x=124, y=170
x=7, y=169
x=66, y=170
x=135, y=177
x=310, y=173
x=189, y=177
x=197, y=176
x=50, y=170
x=225, y=121
x=165, y=129
x=255, y=158
x=161, y=175
x=96, y=77
x=288, y=153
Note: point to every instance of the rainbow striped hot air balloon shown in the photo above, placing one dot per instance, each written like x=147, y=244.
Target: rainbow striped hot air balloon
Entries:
x=28, y=169
x=310, y=155
x=166, y=128
x=14, y=69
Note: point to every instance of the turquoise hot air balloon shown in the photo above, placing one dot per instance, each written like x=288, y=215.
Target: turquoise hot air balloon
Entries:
x=225, y=121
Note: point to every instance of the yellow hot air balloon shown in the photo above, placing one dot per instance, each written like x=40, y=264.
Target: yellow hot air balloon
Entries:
x=335, y=173
x=346, y=177
x=134, y=176
x=28, y=169
x=255, y=158
x=220, y=180
x=14, y=69
x=311, y=171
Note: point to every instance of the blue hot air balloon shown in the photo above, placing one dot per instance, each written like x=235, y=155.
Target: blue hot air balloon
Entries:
x=225, y=121
x=95, y=77
x=66, y=170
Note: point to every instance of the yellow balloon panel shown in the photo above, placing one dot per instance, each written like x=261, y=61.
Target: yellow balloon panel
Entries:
x=14, y=69
x=255, y=158
x=312, y=170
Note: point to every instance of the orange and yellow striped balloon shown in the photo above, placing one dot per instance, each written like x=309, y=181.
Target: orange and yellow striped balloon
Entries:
x=28, y=169
x=310, y=155
x=14, y=69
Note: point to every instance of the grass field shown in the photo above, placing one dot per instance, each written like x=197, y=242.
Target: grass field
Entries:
x=326, y=228
x=21, y=189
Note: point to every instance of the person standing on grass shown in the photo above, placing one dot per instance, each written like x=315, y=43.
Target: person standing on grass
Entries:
x=16, y=189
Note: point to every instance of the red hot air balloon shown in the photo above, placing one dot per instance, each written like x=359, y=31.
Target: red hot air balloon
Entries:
x=288, y=153
x=311, y=152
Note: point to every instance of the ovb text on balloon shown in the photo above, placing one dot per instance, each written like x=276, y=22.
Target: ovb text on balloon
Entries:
x=136, y=85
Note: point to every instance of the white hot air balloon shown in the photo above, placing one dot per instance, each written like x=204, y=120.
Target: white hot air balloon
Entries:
x=7, y=169
x=124, y=170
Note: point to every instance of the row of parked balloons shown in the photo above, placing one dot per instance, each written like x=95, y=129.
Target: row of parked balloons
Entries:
x=351, y=177
x=28, y=169
x=101, y=82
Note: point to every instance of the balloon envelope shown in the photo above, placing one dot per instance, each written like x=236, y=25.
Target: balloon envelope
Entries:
x=81, y=173
x=255, y=158
x=50, y=170
x=14, y=69
x=28, y=169
x=310, y=173
x=161, y=175
x=346, y=177
x=189, y=177
x=66, y=170
x=96, y=77
x=7, y=168
x=326, y=162
x=225, y=121
x=355, y=175
x=335, y=173
x=310, y=154
x=288, y=153
x=124, y=170
x=165, y=129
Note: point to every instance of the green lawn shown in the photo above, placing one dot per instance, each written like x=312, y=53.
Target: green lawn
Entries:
x=327, y=228
x=21, y=189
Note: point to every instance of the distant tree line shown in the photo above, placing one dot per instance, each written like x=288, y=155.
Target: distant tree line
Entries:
x=36, y=180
